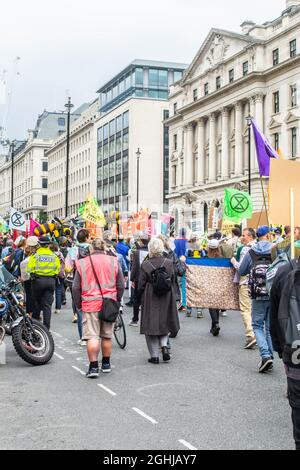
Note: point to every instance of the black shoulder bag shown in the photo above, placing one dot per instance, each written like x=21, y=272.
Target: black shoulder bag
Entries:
x=110, y=308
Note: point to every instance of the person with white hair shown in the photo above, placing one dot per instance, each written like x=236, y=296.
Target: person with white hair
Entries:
x=159, y=315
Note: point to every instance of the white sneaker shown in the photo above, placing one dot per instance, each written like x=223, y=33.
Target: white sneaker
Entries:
x=57, y=312
x=83, y=343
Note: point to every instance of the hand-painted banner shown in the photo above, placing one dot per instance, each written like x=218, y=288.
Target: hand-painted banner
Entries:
x=209, y=284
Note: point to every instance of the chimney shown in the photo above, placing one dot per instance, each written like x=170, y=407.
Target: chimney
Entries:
x=30, y=134
x=247, y=25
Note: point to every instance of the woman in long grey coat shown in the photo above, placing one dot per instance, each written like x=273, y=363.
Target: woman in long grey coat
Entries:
x=159, y=315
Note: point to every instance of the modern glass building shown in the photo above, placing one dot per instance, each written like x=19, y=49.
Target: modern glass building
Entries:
x=141, y=80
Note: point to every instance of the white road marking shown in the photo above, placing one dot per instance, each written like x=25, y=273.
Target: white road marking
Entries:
x=107, y=390
x=78, y=370
x=187, y=444
x=57, y=334
x=145, y=416
x=59, y=357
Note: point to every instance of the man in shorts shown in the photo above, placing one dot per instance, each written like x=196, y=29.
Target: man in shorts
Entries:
x=98, y=268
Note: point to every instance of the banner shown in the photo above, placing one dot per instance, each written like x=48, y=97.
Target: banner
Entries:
x=237, y=205
x=17, y=221
x=91, y=212
x=209, y=284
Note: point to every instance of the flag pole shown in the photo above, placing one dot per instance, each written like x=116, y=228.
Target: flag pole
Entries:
x=292, y=216
x=265, y=202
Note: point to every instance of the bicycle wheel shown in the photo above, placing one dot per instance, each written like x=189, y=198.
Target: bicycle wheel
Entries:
x=120, y=332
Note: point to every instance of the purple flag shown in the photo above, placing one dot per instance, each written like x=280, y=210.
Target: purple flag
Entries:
x=264, y=151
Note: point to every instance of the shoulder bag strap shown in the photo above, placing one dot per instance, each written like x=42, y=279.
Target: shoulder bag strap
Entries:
x=95, y=275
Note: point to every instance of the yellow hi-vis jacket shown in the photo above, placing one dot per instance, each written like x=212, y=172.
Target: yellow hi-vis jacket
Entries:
x=43, y=263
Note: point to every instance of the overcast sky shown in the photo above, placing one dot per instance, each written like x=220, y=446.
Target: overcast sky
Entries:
x=77, y=45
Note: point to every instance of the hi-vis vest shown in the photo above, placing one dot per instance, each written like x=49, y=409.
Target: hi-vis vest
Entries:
x=106, y=268
x=43, y=263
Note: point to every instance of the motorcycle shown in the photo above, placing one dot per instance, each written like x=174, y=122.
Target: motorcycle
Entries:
x=32, y=341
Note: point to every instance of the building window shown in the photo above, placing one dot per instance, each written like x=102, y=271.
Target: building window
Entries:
x=119, y=123
x=175, y=108
x=231, y=76
x=61, y=121
x=105, y=132
x=175, y=142
x=245, y=68
x=44, y=200
x=177, y=75
x=294, y=142
x=276, y=104
x=206, y=89
x=126, y=120
x=276, y=141
x=153, y=77
x=112, y=128
x=293, y=48
x=218, y=83
x=195, y=94
x=139, y=76
x=163, y=78
x=293, y=89
x=276, y=57
x=44, y=183
x=44, y=166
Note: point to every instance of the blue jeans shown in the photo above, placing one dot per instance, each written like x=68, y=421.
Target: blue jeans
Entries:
x=183, y=290
x=261, y=327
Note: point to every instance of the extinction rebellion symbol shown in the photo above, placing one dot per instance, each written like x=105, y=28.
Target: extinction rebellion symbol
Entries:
x=239, y=203
x=17, y=220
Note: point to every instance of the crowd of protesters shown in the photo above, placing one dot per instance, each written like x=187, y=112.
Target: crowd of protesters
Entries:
x=154, y=271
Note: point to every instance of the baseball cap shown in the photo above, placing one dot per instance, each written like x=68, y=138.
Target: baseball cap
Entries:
x=32, y=241
x=213, y=244
x=262, y=231
x=44, y=241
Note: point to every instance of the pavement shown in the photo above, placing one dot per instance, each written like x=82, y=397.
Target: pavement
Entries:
x=210, y=396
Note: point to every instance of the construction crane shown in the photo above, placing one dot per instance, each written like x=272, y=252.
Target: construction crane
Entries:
x=8, y=82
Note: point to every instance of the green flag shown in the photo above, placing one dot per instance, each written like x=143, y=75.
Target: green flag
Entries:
x=237, y=205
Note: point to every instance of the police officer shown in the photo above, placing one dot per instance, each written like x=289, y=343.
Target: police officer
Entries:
x=43, y=267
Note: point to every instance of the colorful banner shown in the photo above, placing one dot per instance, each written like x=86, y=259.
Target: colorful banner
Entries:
x=209, y=284
x=17, y=221
x=91, y=212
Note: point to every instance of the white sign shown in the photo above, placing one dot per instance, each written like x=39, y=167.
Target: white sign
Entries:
x=17, y=221
x=198, y=226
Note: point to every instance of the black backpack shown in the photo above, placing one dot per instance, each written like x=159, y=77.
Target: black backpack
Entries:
x=161, y=280
x=258, y=275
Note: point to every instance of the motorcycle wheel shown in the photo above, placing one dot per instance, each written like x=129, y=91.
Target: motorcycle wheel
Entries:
x=38, y=353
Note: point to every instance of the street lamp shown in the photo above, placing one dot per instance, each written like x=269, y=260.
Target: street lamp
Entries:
x=138, y=154
x=249, y=124
x=12, y=153
x=68, y=106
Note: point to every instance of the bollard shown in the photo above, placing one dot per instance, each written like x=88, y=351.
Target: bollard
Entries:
x=2, y=347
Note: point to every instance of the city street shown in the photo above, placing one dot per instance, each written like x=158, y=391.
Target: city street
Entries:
x=209, y=397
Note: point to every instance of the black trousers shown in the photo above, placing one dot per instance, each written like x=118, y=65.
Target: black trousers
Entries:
x=137, y=299
x=294, y=399
x=215, y=316
x=43, y=289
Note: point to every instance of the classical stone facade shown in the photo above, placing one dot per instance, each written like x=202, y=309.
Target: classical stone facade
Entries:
x=82, y=164
x=233, y=76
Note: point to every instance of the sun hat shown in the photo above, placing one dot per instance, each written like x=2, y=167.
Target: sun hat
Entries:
x=32, y=241
x=213, y=244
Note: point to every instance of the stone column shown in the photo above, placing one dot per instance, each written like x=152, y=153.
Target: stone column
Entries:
x=189, y=167
x=259, y=111
x=238, y=140
x=225, y=144
x=212, y=172
x=201, y=152
x=254, y=164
